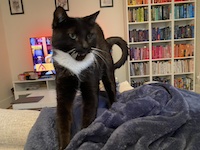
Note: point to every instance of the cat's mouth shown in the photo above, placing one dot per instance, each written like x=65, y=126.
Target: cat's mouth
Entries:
x=80, y=57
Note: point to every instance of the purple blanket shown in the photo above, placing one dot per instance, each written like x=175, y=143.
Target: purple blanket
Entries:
x=151, y=117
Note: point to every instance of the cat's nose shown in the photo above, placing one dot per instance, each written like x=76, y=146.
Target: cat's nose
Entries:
x=85, y=45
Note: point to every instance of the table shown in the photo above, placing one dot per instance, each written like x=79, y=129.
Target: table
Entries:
x=49, y=100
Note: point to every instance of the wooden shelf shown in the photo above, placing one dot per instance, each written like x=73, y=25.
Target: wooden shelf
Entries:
x=169, y=22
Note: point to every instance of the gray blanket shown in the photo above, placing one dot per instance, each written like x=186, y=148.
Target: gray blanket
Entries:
x=151, y=117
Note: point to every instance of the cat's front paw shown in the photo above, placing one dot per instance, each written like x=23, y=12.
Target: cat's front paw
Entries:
x=64, y=141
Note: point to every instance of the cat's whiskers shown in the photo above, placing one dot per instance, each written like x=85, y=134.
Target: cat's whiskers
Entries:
x=97, y=49
x=74, y=54
x=100, y=56
x=96, y=62
x=72, y=50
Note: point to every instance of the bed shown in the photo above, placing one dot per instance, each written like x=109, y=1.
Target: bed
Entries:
x=151, y=117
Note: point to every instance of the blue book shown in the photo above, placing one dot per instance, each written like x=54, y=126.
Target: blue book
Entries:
x=175, y=12
x=158, y=34
x=184, y=10
x=181, y=11
x=188, y=11
x=192, y=10
x=192, y=30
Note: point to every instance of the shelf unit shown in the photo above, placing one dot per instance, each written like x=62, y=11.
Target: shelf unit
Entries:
x=161, y=38
x=29, y=86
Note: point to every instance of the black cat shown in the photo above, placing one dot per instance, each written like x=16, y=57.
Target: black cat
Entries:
x=81, y=58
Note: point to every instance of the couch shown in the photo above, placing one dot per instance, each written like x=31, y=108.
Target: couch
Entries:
x=14, y=127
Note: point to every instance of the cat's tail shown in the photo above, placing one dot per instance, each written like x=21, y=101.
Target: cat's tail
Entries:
x=123, y=46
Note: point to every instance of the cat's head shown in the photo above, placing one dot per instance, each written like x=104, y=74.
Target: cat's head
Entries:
x=75, y=36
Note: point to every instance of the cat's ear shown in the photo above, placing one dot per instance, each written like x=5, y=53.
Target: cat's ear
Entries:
x=60, y=15
x=92, y=18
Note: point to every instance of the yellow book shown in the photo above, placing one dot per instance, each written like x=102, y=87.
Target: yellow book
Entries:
x=142, y=14
x=133, y=2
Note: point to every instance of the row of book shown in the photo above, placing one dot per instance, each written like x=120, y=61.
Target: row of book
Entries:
x=180, y=82
x=162, y=80
x=160, y=12
x=180, y=0
x=160, y=1
x=161, y=67
x=161, y=51
x=183, y=50
x=161, y=33
x=184, y=82
x=186, y=31
x=137, y=35
x=137, y=2
x=137, y=83
x=184, y=11
x=139, y=14
x=139, y=69
x=183, y=66
x=139, y=53
x=142, y=53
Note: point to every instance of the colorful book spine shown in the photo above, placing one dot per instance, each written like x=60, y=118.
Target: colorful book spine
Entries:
x=162, y=80
x=138, y=14
x=186, y=31
x=160, y=1
x=137, y=2
x=183, y=66
x=136, y=83
x=160, y=12
x=161, y=51
x=183, y=50
x=139, y=53
x=136, y=35
x=184, y=11
x=161, y=67
x=184, y=82
x=138, y=69
x=161, y=33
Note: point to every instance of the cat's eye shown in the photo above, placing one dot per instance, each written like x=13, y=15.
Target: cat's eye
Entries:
x=89, y=36
x=72, y=36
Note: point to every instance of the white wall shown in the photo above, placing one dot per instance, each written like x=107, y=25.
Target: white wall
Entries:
x=5, y=73
x=37, y=19
x=198, y=47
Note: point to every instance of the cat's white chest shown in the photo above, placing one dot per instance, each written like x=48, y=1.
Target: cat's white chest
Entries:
x=76, y=67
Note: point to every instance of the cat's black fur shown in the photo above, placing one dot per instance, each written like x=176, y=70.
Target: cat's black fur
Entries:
x=84, y=36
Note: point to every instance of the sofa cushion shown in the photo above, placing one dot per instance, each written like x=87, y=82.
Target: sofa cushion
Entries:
x=15, y=126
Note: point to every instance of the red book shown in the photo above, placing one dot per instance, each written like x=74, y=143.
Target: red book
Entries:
x=157, y=52
x=147, y=53
x=153, y=52
x=175, y=50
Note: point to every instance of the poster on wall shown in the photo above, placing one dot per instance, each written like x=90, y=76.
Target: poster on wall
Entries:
x=16, y=7
x=106, y=3
x=63, y=3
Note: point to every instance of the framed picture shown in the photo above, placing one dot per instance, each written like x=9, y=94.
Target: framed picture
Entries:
x=62, y=3
x=16, y=7
x=106, y=3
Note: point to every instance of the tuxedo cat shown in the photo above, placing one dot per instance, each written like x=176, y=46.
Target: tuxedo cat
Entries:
x=81, y=58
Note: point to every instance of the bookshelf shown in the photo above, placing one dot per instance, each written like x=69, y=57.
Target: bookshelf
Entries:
x=30, y=86
x=161, y=38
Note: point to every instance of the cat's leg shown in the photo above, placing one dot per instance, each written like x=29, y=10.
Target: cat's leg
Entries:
x=66, y=91
x=90, y=91
x=110, y=86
